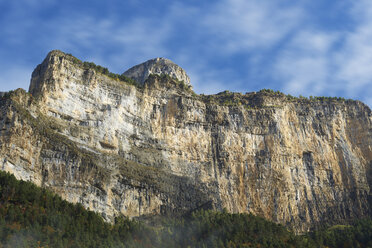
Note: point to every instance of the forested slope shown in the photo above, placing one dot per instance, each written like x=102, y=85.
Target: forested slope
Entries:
x=31, y=216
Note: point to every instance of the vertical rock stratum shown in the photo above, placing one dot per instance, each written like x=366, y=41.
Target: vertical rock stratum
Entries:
x=158, y=148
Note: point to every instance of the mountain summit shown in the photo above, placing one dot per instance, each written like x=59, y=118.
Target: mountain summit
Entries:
x=157, y=66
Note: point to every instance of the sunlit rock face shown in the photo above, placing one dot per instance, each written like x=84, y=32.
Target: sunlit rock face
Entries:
x=158, y=66
x=160, y=149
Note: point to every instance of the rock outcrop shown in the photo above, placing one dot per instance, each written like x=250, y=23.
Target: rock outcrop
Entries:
x=158, y=66
x=158, y=148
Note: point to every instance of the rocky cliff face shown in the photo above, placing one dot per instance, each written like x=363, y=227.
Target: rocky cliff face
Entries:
x=158, y=148
x=157, y=66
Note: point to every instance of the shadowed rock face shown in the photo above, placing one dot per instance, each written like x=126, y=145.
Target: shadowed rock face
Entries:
x=160, y=149
x=157, y=66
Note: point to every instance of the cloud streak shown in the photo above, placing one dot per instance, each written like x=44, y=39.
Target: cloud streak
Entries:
x=304, y=65
x=242, y=25
x=319, y=62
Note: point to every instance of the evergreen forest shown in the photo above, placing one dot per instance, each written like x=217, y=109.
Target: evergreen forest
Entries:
x=31, y=216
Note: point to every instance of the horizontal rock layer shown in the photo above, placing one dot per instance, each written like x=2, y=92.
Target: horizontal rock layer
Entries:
x=161, y=149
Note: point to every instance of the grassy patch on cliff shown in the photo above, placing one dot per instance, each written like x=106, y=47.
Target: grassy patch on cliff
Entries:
x=250, y=100
x=97, y=68
x=34, y=217
x=258, y=100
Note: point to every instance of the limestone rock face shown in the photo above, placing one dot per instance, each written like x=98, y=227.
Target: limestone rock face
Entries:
x=157, y=66
x=160, y=149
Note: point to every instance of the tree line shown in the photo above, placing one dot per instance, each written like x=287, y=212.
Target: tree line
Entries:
x=31, y=216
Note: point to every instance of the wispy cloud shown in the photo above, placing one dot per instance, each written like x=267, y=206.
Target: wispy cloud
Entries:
x=240, y=25
x=112, y=42
x=320, y=62
x=355, y=58
x=304, y=64
x=208, y=80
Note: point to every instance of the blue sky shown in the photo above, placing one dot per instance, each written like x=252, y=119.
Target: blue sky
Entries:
x=307, y=47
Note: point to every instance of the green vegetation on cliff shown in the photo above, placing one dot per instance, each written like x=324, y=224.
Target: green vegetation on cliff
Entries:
x=97, y=68
x=35, y=217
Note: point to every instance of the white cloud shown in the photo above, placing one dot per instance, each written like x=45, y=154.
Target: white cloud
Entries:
x=140, y=40
x=362, y=11
x=313, y=42
x=129, y=41
x=240, y=25
x=305, y=75
x=207, y=80
x=355, y=58
x=304, y=65
x=319, y=62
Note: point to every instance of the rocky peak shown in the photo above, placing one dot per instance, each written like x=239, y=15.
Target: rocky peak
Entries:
x=42, y=77
x=157, y=66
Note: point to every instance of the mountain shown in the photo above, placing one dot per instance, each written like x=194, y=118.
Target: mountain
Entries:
x=118, y=145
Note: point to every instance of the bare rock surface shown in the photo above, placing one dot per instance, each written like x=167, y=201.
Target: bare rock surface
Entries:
x=157, y=66
x=160, y=149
